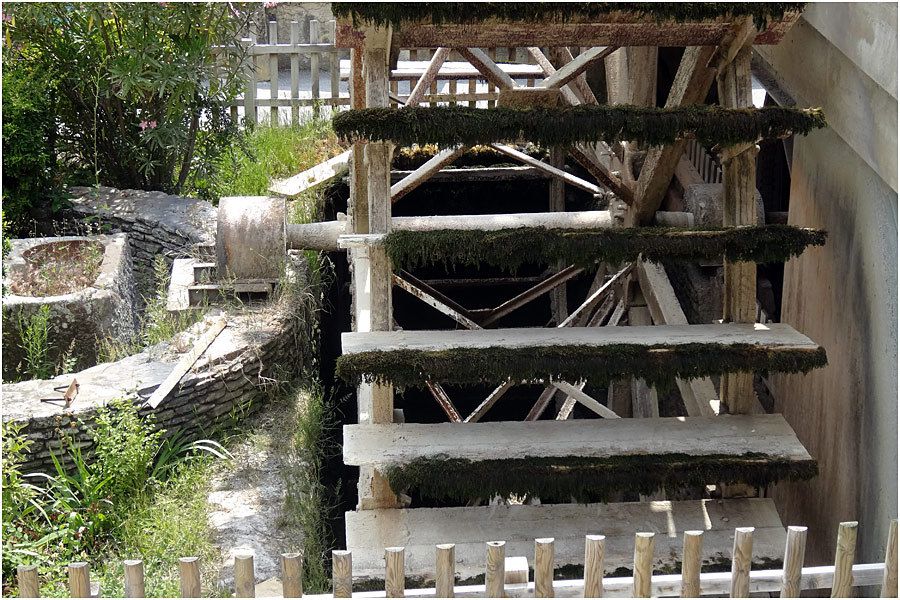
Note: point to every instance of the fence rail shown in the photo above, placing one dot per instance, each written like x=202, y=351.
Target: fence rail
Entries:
x=324, y=81
x=790, y=580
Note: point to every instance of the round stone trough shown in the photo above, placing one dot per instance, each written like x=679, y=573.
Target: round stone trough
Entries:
x=88, y=286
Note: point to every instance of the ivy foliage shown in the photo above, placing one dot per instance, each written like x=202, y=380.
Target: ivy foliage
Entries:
x=451, y=125
x=657, y=364
x=509, y=249
x=398, y=13
x=587, y=479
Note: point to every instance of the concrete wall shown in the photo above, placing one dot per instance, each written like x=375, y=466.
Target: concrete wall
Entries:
x=843, y=57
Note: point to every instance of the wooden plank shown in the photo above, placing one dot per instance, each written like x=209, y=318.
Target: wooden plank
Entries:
x=412, y=70
x=767, y=436
x=699, y=395
x=370, y=531
x=444, y=401
x=435, y=299
x=488, y=402
x=774, y=336
x=762, y=581
x=579, y=395
x=692, y=81
x=619, y=29
x=317, y=175
x=428, y=77
x=555, y=172
x=575, y=68
x=532, y=293
x=487, y=67
x=479, y=174
x=423, y=173
x=185, y=363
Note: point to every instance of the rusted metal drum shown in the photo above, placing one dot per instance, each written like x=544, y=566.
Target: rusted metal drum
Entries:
x=250, y=237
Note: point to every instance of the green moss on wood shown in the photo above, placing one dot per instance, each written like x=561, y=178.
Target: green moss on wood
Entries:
x=451, y=125
x=398, y=13
x=599, y=364
x=587, y=479
x=509, y=249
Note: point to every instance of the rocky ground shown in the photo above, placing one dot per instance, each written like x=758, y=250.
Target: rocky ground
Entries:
x=248, y=493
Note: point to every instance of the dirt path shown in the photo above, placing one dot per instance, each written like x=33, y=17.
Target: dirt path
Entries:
x=248, y=494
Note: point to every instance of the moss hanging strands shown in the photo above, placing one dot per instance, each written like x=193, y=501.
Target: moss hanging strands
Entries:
x=587, y=479
x=600, y=364
x=509, y=249
x=451, y=125
x=398, y=13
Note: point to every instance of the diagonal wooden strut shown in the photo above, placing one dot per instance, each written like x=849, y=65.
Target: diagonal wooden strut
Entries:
x=555, y=172
x=418, y=93
x=530, y=294
x=575, y=68
x=434, y=299
x=444, y=401
x=424, y=172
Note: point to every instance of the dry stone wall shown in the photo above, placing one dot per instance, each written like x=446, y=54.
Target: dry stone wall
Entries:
x=229, y=381
x=157, y=224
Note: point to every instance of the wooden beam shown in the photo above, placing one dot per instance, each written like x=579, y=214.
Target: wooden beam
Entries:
x=322, y=172
x=691, y=84
x=575, y=68
x=773, y=337
x=440, y=305
x=616, y=30
x=418, y=530
x=592, y=300
x=699, y=395
x=579, y=395
x=555, y=172
x=753, y=439
x=423, y=173
x=489, y=402
x=530, y=294
x=739, y=200
x=428, y=77
x=437, y=390
x=487, y=67
x=185, y=363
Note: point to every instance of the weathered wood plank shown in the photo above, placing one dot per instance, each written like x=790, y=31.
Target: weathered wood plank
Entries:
x=428, y=77
x=575, y=68
x=419, y=530
x=487, y=67
x=769, y=437
x=555, y=172
x=412, y=70
x=423, y=173
x=319, y=174
x=775, y=336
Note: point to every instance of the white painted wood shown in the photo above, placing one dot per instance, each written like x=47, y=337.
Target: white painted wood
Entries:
x=412, y=70
x=735, y=435
x=421, y=175
x=555, y=172
x=774, y=336
x=185, y=363
x=578, y=394
x=319, y=174
x=479, y=59
x=592, y=300
x=575, y=68
x=370, y=531
x=712, y=584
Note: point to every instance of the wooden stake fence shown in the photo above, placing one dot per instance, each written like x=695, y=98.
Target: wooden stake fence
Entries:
x=740, y=582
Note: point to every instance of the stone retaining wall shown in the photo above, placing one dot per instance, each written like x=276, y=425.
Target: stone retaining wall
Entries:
x=237, y=372
x=157, y=224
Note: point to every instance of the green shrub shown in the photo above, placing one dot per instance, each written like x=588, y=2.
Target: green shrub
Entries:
x=30, y=182
x=131, y=82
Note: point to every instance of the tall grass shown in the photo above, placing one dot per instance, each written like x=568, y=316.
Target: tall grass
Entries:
x=267, y=153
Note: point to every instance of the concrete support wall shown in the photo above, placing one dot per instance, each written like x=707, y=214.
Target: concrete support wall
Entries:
x=844, y=296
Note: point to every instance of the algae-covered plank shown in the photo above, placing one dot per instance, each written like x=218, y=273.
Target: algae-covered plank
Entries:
x=770, y=436
x=420, y=529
